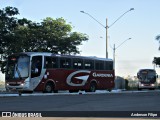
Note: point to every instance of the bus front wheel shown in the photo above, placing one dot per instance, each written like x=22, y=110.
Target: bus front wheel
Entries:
x=48, y=88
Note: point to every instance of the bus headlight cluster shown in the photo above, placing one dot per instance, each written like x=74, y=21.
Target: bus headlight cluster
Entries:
x=152, y=84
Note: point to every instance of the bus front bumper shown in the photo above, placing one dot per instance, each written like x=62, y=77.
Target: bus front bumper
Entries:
x=147, y=86
x=20, y=87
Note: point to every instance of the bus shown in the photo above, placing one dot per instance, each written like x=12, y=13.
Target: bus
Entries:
x=147, y=79
x=47, y=72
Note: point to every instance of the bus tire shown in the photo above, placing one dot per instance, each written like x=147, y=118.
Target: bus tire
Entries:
x=73, y=91
x=55, y=91
x=151, y=88
x=24, y=91
x=109, y=90
x=139, y=88
x=48, y=88
x=92, y=87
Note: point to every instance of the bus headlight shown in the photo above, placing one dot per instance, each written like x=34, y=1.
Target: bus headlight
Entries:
x=22, y=84
x=152, y=85
x=142, y=84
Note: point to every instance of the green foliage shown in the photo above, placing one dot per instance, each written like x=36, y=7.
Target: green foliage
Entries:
x=156, y=61
x=158, y=39
x=23, y=35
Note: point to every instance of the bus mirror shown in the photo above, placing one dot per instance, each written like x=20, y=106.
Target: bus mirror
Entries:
x=137, y=76
x=157, y=76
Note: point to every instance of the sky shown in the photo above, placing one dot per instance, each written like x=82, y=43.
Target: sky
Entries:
x=141, y=24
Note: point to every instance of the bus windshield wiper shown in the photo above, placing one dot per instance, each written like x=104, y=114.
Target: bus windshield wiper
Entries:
x=19, y=75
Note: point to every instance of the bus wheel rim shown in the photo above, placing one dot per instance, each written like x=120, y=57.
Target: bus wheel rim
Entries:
x=48, y=88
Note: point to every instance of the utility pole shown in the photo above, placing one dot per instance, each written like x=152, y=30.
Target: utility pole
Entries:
x=114, y=51
x=106, y=27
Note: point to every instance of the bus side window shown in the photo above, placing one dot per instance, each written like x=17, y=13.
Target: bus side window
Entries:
x=111, y=65
x=88, y=64
x=99, y=65
x=51, y=62
x=65, y=63
x=48, y=62
x=108, y=65
x=77, y=63
x=55, y=62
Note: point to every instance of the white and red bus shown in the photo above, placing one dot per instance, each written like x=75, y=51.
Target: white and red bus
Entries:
x=47, y=72
x=147, y=79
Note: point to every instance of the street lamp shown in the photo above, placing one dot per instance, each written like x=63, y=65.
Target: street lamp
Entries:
x=106, y=27
x=114, y=50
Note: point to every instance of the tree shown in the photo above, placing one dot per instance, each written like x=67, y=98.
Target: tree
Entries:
x=56, y=37
x=158, y=39
x=8, y=39
x=8, y=27
x=23, y=35
x=156, y=60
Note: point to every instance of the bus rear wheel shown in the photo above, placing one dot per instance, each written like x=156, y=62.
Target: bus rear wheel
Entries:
x=92, y=87
x=139, y=88
x=73, y=91
x=48, y=88
x=151, y=88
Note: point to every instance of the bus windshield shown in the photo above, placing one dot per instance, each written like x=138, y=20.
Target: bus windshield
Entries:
x=18, y=67
x=148, y=75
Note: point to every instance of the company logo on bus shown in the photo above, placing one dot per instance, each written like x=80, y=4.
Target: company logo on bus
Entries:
x=84, y=75
x=101, y=75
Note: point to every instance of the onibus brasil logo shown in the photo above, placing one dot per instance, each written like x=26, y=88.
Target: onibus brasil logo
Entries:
x=20, y=114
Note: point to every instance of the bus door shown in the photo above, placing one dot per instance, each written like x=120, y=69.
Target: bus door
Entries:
x=36, y=69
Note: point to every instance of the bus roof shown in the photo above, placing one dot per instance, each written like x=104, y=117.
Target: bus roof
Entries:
x=70, y=56
x=146, y=70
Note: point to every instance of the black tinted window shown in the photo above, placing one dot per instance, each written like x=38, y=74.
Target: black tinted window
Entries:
x=77, y=63
x=88, y=64
x=109, y=65
x=99, y=65
x=65, y=63
x=51, y=62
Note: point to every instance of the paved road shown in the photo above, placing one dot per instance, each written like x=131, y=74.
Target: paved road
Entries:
x=145, y=101
x=88, y=102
